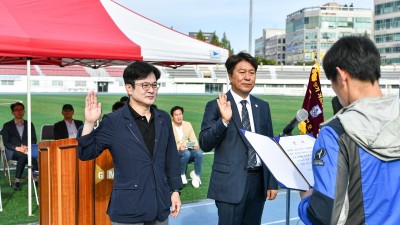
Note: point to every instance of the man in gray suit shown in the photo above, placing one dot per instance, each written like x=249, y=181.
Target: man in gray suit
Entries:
x=239, y=182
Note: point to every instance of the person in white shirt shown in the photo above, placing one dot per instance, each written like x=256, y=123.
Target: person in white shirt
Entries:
x=67, y=128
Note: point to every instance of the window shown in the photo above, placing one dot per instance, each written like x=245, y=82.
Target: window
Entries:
x=80, y=83
x=7, y=82
x=57, y=83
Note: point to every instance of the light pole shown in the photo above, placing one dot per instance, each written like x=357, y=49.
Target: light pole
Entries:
x=250, y=24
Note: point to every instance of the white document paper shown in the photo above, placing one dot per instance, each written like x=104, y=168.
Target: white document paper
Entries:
x=289, y=161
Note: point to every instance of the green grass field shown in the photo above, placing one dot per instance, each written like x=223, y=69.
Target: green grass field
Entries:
x=46, y=109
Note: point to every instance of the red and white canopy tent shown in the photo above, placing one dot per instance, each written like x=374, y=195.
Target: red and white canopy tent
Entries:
x=91, y=33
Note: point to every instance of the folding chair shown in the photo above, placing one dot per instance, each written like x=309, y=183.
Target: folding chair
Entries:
x=1, y=202
x=47, y=132
x=35, y=155
x=6, y=167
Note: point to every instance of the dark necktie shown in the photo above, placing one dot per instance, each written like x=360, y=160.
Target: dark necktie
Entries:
x=252, y=161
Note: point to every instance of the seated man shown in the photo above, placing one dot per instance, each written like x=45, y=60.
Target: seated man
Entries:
x=188, y=147
x=67, y=128
x=15, y=140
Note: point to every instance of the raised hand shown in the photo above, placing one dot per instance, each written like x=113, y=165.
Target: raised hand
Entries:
x=92, y=108
x=92, y=112
x=224, y=108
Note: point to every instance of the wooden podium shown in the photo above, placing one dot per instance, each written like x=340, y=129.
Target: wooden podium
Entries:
x=71, y=191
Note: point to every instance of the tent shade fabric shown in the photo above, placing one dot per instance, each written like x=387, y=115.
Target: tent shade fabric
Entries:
x=92, y=33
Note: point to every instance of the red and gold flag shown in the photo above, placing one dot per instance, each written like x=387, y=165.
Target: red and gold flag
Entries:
x=313, y=103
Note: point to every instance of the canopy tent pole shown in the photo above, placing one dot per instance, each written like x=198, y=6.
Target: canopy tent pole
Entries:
x=28, y=80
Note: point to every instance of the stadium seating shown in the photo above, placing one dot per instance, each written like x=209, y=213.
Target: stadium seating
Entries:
x=16, y=70
x=115, y=71
x=50, y=70
x=187, y=72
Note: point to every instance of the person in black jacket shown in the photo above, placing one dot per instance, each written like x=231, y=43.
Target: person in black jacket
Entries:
x=67, y=128
x=15, y=140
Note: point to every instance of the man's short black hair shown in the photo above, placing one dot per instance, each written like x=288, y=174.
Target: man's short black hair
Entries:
x=176, y=108
x=12, y=106
x=139, y=70
x=356, y=55
x=235, y=59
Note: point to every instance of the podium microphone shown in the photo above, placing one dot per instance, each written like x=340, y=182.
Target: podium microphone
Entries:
x=301, y=115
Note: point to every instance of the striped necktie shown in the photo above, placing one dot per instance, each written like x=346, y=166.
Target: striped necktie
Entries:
x=252, y=160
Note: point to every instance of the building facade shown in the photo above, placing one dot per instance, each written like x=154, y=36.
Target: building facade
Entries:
x=387, y=30
x=207, y=35
x=259, y=47
x=275, y=48
x=271, y=45
x=310, y=32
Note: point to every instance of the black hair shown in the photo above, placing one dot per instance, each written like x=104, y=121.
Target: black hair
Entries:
x=139, y=70
x=235, y=59
x=12, y=106
x=356, y=55
x=117, y=105
x=124, y=99
x=176, y=108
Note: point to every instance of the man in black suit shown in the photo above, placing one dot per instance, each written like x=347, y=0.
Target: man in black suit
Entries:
x=239, y=182
x=67, y=128
x=15, y=140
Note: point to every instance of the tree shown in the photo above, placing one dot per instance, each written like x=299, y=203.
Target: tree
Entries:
x=214, y=40
x=366, y=34
x=200, y=36
x=265, y=61
x=225, y=43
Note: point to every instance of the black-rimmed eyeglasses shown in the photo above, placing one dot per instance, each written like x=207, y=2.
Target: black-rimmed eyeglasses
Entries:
x=146, y=86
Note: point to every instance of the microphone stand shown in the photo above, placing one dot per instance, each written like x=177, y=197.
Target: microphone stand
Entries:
x=287, y=193
x=287, y=206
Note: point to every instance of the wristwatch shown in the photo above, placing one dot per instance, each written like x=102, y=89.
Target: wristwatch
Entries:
x=176, y=190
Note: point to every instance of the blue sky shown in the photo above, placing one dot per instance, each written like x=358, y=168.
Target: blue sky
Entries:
x=229, y=16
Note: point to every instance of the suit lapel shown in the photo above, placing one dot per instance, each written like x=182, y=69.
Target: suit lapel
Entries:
x=236, y=117
x=65, y=129
x=158, y=124
x=256, y=113
x=14, y=129
x=25, y=133
x=235, y=111
x=134, y=129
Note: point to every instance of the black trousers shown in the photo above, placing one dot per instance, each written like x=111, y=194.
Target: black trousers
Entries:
x=249, y=210
x=22, y=160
